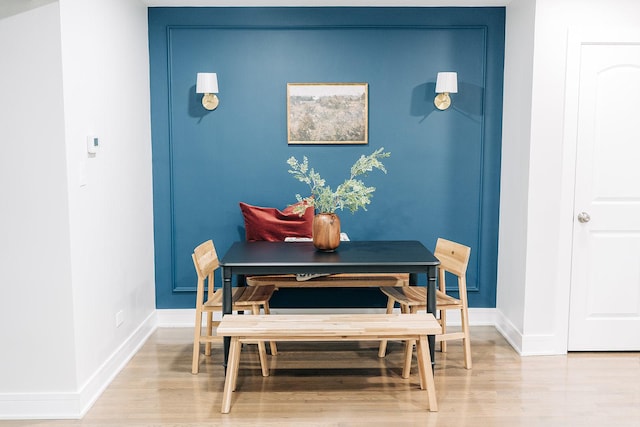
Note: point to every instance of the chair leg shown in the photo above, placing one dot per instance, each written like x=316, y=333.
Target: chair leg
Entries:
x=207, y=346
x=272, y=344
x=443, y=323
x=382, y=350
x=196, y=342
x=466, y=341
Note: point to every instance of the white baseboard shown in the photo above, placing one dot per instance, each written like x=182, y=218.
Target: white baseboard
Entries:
x=101, y=379
x=183, y=318
x=509, y=331
x=527, y=344
x=73, y=405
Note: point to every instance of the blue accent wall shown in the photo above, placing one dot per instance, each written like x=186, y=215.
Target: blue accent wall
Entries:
x=444, y=169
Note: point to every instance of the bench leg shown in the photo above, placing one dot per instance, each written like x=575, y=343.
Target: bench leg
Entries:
x=408, y=350
x=262, y=350
x=232, y=374
x=272, y=344
x=426, y=373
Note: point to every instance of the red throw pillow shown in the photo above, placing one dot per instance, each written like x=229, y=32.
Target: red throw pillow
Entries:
x=275, y=225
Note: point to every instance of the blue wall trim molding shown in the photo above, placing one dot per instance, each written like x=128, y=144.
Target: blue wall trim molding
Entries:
x=444, y=171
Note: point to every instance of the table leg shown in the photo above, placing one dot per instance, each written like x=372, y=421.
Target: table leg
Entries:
x=432, y=285
x=227, y=307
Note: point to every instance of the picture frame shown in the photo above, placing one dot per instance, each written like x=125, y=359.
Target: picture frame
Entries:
x=327, y=113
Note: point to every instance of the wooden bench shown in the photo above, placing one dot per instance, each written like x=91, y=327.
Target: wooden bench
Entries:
x=329, y=327
x=343, y=280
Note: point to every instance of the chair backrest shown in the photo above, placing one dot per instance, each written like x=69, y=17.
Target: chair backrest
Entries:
x=205, y=259
x=453, y=258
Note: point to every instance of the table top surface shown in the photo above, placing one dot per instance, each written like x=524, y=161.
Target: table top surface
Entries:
x=406, y=256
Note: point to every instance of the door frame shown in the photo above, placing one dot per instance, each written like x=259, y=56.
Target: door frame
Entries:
x=576, y=39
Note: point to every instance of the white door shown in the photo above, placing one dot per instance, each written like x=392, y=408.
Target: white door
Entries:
x=605, y=282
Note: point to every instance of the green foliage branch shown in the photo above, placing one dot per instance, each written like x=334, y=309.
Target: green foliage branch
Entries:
x=352, y=194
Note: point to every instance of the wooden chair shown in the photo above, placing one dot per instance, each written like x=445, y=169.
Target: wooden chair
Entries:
x=454, y=258
x=205, y=260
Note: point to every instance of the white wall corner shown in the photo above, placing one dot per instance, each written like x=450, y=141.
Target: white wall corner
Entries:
x=509, y=331
x=101, y=379
x=528, y=345
x=74, y=405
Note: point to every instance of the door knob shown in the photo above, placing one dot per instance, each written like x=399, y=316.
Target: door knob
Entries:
x=584, y=217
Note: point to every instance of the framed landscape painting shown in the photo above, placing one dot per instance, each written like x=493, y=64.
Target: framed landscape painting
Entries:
x=327, y=113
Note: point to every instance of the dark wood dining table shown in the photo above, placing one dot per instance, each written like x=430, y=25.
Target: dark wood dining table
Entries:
x=375, y=256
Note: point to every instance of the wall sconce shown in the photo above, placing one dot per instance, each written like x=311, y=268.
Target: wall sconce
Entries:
x=207, y=83
x=446, y=83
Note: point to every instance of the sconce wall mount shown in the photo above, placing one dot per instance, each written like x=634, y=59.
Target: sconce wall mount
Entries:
x=446, y=83
x=207, y=83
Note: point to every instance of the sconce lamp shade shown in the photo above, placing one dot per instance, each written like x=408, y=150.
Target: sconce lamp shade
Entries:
x=447, y=82
x=207, y=83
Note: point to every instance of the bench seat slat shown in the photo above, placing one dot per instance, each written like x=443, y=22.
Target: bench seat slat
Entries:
x=329, y=325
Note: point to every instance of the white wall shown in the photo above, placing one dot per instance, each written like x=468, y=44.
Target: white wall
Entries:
x=93, y=216
x=106, y=93
x=514, y=181
x=541, y=325
x=37, y=332
x=106, y=79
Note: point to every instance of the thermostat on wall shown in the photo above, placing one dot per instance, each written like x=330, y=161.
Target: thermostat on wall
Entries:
x=93, y=143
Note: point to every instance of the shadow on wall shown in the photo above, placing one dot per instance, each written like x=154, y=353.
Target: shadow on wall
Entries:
x=468, y=100
x=196, y=110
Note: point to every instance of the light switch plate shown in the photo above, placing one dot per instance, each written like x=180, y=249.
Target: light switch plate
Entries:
x=93, y=144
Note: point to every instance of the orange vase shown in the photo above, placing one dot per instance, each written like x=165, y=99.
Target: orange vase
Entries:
x=326, y=231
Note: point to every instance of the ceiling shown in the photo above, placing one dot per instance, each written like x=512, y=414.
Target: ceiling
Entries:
x=13, y=7
x=390, y=3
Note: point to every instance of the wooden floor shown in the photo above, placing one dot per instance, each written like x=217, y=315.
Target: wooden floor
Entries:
x=346, y=384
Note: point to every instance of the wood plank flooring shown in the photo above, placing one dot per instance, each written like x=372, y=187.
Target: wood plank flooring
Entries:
x=346, y=384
